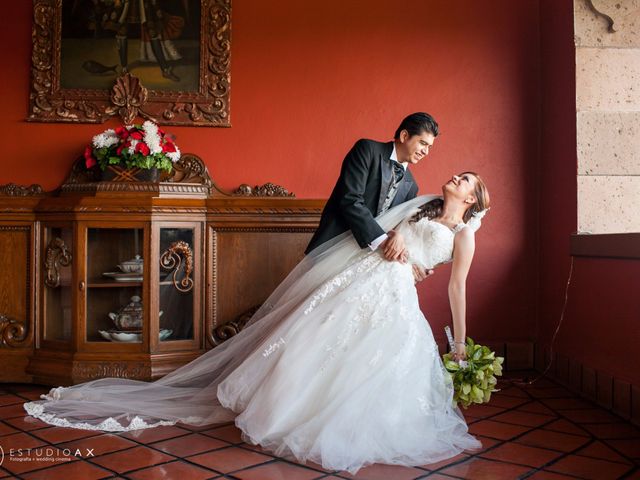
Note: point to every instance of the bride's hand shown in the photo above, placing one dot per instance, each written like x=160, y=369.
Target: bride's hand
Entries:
x=458, y=356
x=461, y=351
x=393, y=247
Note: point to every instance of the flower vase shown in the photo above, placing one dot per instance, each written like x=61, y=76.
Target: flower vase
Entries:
x=118, y=173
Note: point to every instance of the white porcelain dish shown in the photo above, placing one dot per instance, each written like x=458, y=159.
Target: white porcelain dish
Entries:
x=124, y=277
x=130, y=337
x=135, y=265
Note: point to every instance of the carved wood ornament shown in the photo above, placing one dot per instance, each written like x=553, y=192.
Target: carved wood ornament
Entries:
x=171, y=259
x=128, y=98
x=191, y=169
x=57, y=254
x=13, y=190
x=267, y=190
x=83, y=371
x=13, y=332
x=229, y=329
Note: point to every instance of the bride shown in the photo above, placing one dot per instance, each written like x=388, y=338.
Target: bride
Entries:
x=338, y=367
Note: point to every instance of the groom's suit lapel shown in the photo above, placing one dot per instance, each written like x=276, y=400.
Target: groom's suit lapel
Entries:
x=386, y=173
x=386, y=177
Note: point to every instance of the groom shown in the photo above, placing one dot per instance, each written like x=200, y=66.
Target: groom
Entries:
x=374, y=177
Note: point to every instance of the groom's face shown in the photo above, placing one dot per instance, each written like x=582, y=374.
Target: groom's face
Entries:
x=413, y=148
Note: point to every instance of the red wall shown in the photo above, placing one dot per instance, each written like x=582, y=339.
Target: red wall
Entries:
x=600, y=329
x=309, y=78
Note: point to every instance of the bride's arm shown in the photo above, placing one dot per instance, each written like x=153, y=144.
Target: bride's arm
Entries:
x=463, y=248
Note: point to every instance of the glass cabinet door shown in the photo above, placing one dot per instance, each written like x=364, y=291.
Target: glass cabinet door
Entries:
x=57, y=305
x=177, y=277
x=114, y=293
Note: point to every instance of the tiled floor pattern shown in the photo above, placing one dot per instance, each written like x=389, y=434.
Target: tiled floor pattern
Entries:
x=541, y=432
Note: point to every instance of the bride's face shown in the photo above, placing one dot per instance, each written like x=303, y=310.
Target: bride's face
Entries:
x=462, y=187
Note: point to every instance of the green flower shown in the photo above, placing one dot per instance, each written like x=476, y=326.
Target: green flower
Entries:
x=475, y=381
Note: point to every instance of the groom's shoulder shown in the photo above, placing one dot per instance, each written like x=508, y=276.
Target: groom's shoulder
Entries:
x=371, y=145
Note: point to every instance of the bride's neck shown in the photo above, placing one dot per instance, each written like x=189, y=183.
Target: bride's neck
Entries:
x=452, y=212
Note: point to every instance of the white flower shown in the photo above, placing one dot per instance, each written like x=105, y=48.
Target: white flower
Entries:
x=174, y=156
x=150, y=128
x=151, y=137
x=132, y=147
x=475, y=222
x=154, y=146
x=153, y=142
x=106, y=139
x=479, y=215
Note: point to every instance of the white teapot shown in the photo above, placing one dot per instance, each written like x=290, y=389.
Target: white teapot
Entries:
x=130, y=316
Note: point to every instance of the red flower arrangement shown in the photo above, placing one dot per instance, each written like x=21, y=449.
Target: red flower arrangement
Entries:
x=143, y=146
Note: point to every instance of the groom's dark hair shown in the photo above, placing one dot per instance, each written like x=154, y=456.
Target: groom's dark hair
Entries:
x=416, y=124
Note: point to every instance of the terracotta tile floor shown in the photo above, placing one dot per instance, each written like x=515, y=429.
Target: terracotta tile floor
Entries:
x=538, y=432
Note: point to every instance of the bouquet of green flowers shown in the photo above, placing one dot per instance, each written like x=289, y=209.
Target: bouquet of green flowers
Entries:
x=474, y=379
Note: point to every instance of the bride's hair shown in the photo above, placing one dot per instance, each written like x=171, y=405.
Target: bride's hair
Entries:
x=433, y=208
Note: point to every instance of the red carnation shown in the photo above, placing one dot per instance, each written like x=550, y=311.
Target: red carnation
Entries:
x=137, y=135
x=142, y=148
x=122, y=147
x=168, y=147
x=89, y=161
x=122, y=132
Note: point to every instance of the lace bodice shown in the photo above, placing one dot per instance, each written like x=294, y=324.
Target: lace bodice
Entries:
x=429, y=242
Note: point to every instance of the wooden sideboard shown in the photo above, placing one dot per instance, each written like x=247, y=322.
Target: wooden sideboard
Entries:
x=209, y=257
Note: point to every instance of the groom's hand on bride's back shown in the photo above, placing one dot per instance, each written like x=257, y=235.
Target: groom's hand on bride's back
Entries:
x=394, y=249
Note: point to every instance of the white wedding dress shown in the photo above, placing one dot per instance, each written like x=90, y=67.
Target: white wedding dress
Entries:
x=341, y=369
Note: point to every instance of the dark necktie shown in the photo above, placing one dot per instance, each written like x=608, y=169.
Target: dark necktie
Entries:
x=398, y=171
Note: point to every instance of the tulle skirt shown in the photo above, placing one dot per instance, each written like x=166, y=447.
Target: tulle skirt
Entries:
x=355, y=379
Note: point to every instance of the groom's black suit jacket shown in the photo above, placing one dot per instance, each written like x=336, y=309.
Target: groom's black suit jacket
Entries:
x=359, y=194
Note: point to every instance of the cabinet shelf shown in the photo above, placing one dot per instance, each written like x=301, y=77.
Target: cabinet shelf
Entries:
x=112, y=284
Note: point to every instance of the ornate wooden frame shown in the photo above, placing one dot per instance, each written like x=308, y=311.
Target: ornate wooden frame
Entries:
x=129, y=98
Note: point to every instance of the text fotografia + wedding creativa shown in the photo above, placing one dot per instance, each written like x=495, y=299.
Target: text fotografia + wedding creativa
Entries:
x=46, y=454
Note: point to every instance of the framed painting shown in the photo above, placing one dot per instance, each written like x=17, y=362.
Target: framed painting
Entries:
x=163, y=60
